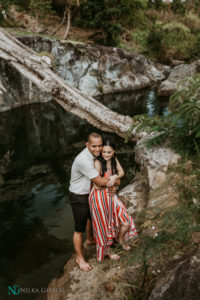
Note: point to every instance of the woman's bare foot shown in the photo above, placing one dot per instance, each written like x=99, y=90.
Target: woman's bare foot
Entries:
x=113, y=256
x=83, y=265
x=125, y=246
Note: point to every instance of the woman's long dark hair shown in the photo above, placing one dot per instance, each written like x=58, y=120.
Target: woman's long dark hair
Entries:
x=111, y=143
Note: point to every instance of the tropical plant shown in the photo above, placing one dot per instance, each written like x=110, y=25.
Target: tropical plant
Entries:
x=182, y=125
x=185, y=116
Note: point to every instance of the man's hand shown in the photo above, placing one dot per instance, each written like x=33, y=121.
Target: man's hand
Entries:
x=112, y=191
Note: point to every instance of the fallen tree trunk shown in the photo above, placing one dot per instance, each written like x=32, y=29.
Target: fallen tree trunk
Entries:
x=38, y=70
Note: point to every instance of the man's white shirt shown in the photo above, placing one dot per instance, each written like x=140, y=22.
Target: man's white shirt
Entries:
x=82, y=172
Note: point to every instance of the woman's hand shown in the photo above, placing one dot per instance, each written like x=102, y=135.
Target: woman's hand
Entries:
x=112, y=180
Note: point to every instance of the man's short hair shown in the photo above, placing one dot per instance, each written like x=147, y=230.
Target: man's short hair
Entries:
x=93, y=134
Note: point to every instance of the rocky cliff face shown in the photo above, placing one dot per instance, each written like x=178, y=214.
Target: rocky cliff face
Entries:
x=95, y=70
x=99, y=70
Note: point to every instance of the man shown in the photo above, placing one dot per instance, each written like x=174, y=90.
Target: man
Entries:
x=82, y=174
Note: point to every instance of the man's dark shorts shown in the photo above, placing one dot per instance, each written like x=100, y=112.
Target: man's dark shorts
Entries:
x=80, y=209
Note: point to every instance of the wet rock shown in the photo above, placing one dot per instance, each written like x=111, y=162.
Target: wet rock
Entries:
x=182, y=282
x=178, y=78
x=167, y=88
x=38, y=169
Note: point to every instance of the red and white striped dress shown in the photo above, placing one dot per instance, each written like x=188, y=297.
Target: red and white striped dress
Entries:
x=107, y=213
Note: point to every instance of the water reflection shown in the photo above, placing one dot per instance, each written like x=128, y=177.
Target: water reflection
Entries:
x=133, y=103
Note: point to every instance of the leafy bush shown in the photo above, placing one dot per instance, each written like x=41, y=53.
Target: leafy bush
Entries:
x=192, y=21
x=172, y=40
x=185, y=116
x=178, y=6
x=195, y=52
x=109, y=17
x=155, y=42
x=40, y=7
x=140, y=36
x=177, y=28
x=181, y=125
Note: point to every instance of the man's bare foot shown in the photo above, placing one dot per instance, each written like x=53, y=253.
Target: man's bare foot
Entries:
x=83, y=265
x=113, y=256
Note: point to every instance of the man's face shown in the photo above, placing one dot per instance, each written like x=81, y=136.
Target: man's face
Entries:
x=94, y=146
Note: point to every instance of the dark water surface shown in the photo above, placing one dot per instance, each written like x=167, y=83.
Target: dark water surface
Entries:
x=38, y=144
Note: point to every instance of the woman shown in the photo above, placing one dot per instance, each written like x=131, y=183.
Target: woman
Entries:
x=110, y=219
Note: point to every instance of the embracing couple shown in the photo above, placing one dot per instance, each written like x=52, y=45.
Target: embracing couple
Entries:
x=95, y=174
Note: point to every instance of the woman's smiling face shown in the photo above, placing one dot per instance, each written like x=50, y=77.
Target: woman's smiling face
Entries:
x=107, y=152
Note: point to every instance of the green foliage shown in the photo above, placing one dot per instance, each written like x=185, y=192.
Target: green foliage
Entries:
x=179, y=221
x=23, y=4
x=182, y=124
x=195, y=51
x=192, y=21
x=158, y=4
x=109, y=17
x=179, y=28
x=40, y=7
x=172, y=40
x=4, y=5
x=102, y=16
x=155, y=42
x=178, y=6
x=140, y=36
x=189, y=182
x=185, y=116
x=192, y=5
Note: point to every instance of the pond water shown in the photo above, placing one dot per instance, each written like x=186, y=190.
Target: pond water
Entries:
x=38, y=144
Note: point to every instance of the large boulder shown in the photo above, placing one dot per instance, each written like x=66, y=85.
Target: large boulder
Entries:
x=109, y=69
x=178, y=78
x=135, y=195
